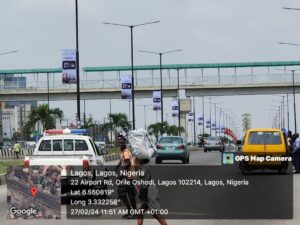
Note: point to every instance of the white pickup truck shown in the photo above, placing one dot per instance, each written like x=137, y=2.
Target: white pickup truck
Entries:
x=71, y=152
x=65, y=150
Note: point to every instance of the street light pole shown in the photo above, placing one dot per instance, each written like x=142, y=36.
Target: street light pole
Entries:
x=194, y=109
x=293, y=84
x=215, y=103
x=161, y=80
x=203, y=127
x=132, y=67
x=288, y=111
x=220, y=121
x=161, y=90
x=215, y=119
x=210, y=116
x=145, y=115
x=77, y=67
x=294, y=98
x=283, y=116
x=129, y=111
x=84, y=115
x=48, y=97
x=110, y=121
x=178, y=99
x=145, y=125
x=132, y=79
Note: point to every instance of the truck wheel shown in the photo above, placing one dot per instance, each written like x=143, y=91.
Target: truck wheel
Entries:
x=244, y=169
x=158, y=161
x=282, y=171
x=205, y=150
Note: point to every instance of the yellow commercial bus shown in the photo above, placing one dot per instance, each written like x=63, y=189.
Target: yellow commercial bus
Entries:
x=264, y=148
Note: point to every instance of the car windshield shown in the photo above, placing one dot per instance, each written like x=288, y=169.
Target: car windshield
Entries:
x=171, y=140
x=264, y=138
x=213, y=139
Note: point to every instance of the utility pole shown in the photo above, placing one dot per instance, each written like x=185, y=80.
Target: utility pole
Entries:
x=210, y=116
x=288, y=111
x=203, y=127
x=178, y=99
x=77, y=67
x=194, y=108
x=110, y=121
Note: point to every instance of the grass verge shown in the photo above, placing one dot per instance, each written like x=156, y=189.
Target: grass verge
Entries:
x=4, y=164
x=114, y=150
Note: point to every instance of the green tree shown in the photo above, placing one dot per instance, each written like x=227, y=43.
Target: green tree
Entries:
x=158, y=128
x=88, y=123
x=246, y=121
x=174, y=130
x=118, y=123
x=161, y=128
x=44, y=115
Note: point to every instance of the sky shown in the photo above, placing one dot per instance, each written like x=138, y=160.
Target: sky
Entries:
x=209, y=31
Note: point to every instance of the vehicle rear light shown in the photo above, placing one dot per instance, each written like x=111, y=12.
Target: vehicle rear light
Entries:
x=85, y=165
x=219, y=143
x=26, y=163
x=180, y=147
x=205, y=142
x=158, y=146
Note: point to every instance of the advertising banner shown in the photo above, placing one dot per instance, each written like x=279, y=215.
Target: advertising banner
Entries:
x=208, y=123
x=156, y=100
x=69, y=66
x=200, y=120
x=126, y=87
x=175, y=108
x=222, y=130
x=213, y=126
x=190, y=117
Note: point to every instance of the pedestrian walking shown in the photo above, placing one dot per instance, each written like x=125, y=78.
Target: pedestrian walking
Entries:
x=125, y=191
x=289, y=142
x=296, y=154
x=17, y=149
x=148, y=194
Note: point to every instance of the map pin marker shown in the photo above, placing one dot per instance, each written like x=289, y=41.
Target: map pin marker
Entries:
x=33, y=191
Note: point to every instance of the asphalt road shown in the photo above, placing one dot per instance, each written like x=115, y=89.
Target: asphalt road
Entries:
x=196, y=158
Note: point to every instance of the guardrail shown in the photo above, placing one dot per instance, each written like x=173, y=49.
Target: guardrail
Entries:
x=10, y=153
x=112, y=157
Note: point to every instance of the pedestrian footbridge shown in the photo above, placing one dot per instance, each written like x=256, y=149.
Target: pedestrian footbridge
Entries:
x=249, y=78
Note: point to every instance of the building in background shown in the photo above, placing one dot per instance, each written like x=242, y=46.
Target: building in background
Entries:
x=13, y=114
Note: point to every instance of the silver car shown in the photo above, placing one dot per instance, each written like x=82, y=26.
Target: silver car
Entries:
x=102, y=147
x=213, y=144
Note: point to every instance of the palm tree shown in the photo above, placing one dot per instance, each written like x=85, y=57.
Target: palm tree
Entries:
x=119, y=122
x=45, y=116
x=88, y=123
x=158, y=128
x=174, y=130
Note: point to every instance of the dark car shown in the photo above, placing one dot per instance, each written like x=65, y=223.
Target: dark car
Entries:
x=239, y=145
